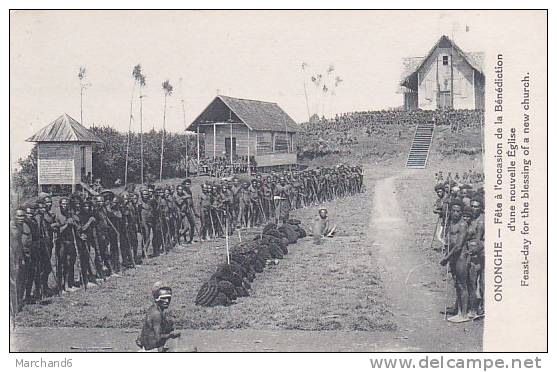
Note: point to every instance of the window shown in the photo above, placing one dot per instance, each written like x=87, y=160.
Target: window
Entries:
x=281, y=142
x=445, y=60
x=264, y=143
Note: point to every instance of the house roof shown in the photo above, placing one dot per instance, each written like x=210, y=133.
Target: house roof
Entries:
x=257, y=115
x=64, y=129
x=411, y=65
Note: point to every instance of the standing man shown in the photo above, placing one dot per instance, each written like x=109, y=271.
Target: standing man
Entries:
x=50, y=220
x=235, y=188
x=115, y=236
x=205, y=212
x=146, y=211
x=134, y=203
x=17, y=261
x=476, y=234
x=82, y=225
x=282, y=201
x=45, y=247
x=244, y=210
x=67, y=248
x=131, y=223
x=187, y=210
x=457, y=258
x=441, y=209
x=100, y=233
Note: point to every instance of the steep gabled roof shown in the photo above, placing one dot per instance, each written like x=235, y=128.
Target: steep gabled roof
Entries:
x=257, y=115
x=64, y=129
x=411, y=65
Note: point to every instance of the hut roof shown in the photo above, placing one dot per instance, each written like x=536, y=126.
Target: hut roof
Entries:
x=411, y=65
x=257, y=115
x=64, y=129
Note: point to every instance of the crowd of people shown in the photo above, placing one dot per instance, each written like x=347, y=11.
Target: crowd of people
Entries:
x=461, y=230
x=338, y=134
x=458, y=120
x=104, y=234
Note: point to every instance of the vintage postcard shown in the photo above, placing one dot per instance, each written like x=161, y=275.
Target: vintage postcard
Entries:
x=278, y=181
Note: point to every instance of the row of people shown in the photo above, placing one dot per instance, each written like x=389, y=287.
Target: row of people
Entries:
x=467, y=178
x=271, y=197
x=461, y=229
x=104, y=234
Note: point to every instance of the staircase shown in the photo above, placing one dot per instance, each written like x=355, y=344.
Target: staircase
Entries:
x=419, y=151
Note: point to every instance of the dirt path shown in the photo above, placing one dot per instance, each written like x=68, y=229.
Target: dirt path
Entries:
x=414, y=286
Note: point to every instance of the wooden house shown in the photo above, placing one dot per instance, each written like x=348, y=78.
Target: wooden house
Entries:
x=446, y=78
x=247, y=130
x=64, y=154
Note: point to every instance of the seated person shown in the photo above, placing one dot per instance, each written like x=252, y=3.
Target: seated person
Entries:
x=322, y=227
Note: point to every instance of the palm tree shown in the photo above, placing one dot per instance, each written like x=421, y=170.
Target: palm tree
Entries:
x=129, y=133
x=167, y=88
x=317, y=83
x=185, y=125
x=140, y=80
x=304, y=66
x=83, y=84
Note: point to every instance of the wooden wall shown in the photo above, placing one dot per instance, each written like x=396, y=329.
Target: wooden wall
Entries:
x=272, y=160
x=260, y=142
x=239, y=131
x=60, y=163
x=433, y=74
x=55, y=163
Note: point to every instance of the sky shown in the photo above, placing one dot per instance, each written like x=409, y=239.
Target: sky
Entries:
x=245, y=54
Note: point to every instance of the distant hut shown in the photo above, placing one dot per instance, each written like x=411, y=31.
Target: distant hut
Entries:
x=64, y=155
x=246, y=130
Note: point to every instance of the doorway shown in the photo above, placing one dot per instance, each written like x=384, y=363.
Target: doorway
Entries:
x=227, y=147
x=444, y=101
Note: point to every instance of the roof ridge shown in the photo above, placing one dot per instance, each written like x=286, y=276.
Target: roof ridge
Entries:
x=75, y=131
x=247, y=99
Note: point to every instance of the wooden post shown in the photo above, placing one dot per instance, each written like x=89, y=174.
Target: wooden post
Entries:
x=214, y=141
x=73, y=172
x=186, y=154
x=198, y=152
x=231, y=159
x=38, y=170
x=249, y=154
x=474, y=86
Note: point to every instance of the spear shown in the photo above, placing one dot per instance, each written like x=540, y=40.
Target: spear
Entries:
x=78, y=260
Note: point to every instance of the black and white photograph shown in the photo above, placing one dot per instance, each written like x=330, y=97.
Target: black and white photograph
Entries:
x=255, y=181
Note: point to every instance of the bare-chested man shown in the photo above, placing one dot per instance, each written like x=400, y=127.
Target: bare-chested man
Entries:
x=157, y=329
x=457, y=258
x=476, y=232
x=440, y=208
x=322, y=227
